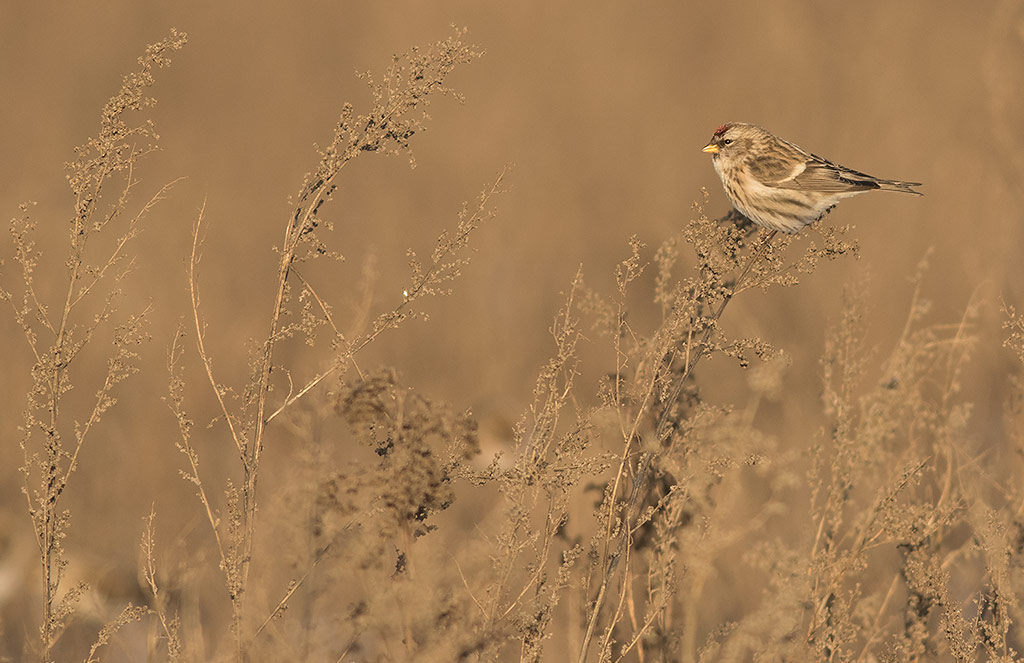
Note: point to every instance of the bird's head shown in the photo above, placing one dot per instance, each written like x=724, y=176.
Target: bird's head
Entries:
x=732, y=141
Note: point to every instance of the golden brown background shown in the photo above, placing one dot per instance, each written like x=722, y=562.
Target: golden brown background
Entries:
x=602, y=107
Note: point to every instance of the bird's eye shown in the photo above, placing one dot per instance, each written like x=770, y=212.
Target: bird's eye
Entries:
x=727, y=141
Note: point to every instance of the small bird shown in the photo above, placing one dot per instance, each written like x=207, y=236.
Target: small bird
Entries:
x=777, y=185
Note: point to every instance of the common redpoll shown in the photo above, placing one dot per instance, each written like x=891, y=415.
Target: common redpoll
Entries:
x=777, y=185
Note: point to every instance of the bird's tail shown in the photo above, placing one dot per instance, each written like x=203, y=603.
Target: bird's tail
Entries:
x=897, y=185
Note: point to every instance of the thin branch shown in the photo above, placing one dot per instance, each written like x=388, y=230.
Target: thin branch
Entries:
x=193, y=288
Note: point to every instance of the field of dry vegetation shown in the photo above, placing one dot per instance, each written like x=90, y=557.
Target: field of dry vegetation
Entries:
x=541, y=397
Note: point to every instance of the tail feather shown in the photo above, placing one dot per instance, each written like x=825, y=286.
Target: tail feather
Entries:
x=855, y=179
x=897, y=185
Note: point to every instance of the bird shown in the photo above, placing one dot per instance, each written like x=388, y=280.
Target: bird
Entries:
x=780, y=186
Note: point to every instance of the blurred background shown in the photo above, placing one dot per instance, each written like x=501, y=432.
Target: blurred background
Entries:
x=603, y=112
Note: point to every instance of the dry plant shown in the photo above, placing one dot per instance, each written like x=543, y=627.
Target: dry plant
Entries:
x=898, y=489
x=104, y=222
x=300, y=309
x=664, y=468
x=897, y=472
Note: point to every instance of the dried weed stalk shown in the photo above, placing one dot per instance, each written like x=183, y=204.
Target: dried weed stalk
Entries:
x=664, y=470
x=399, y=100
x=102, y=178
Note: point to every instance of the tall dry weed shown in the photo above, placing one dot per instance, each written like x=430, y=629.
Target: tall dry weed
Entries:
x=302, y=309
x=98, y=260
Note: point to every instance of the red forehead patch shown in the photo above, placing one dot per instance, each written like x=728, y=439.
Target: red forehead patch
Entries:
x=721, y=130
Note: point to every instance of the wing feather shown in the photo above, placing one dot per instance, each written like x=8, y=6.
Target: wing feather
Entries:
x=779, y=162
x=827, y=177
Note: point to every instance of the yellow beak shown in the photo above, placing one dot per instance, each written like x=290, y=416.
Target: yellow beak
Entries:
x=710, y=148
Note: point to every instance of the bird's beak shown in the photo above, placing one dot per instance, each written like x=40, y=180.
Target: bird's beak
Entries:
x=710, y=148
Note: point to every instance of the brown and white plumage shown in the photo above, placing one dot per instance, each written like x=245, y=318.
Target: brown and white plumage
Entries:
x=778, y=185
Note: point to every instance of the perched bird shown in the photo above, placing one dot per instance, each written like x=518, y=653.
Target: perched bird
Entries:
x=777, y=185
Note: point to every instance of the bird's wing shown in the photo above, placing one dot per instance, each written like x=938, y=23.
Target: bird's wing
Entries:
x=827, y=177
x=786, y=166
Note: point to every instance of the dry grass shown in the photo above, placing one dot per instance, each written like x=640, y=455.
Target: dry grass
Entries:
x=632, y=516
